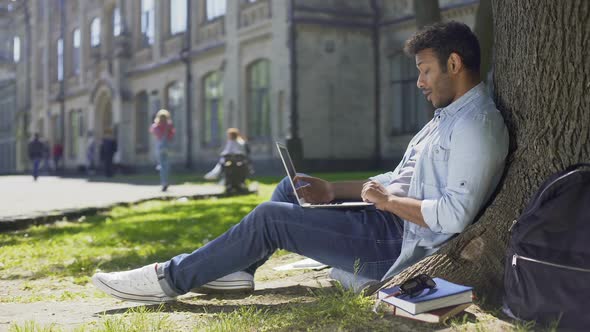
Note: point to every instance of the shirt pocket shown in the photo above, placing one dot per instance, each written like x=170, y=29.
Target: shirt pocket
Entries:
x=439, y=153
x=435, y=169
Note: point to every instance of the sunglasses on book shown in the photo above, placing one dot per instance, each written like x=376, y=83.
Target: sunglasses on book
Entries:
x=416, y=285
x=411, y=287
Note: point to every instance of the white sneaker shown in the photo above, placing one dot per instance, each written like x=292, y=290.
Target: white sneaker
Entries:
x=139, y=285
x=237, y=282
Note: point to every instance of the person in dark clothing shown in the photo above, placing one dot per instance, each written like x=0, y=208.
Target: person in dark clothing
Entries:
x=35, y=148
x=108, y=147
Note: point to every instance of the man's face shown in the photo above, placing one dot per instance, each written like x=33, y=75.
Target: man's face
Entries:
x=435, y=84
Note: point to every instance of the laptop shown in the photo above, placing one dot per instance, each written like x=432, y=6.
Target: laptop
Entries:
x=291, y=173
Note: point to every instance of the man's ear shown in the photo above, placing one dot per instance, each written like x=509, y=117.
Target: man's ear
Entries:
x=454, y=63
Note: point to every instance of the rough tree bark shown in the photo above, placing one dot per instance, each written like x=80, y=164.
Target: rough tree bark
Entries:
x=541, y=81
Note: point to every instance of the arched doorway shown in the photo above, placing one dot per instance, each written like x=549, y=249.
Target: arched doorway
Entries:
x=107, y=117
x=104, y=116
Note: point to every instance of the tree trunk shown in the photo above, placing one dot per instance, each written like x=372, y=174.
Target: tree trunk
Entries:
x=541, y=81
x=427, y=12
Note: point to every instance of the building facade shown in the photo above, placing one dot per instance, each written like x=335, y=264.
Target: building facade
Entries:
x=328, y=77
x=13, y=89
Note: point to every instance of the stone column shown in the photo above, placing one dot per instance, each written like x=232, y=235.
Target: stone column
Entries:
x=232, y=74
x=157, y=46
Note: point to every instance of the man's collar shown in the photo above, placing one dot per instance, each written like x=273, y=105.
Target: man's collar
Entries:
x=462, y=101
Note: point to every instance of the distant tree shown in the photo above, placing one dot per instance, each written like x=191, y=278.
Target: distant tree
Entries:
x=541, y=82
x=427, y=12
x=484, y=29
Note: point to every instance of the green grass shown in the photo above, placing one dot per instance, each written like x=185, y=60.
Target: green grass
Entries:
x=125, y=237
x=69, y=252
x=338, y=310
x=139, y=319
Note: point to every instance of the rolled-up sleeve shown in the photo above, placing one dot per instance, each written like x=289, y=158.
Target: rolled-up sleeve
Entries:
x=478, y=149
x=384, y=178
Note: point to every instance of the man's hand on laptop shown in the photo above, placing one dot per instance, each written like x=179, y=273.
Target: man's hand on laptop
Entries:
x=314, y=190
x=375, y=192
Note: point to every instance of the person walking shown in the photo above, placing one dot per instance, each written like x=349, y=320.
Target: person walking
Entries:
x=90, y=154
x=58, y=151
x=35, y=149
x=163, y=130
x=108, y=147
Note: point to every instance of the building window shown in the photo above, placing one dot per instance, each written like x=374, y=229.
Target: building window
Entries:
x=40, y=67
x=116, y=22
x=16, y=49
x=259, y=99
x=215, y=9
x=60, y=59
x=409, y=109
x=141, y=122
x=73, y=134
x=175, y=105
x=76, y=51
x=81, y=127
x=41, y=10
x=178, y=14
x=147, y=22
x=95, y=32
x=213, y=115
x=56, y=129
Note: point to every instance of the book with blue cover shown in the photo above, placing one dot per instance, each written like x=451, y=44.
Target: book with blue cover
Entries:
x=445, y=294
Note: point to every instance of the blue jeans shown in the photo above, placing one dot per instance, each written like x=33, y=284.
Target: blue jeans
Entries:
x=369, y=239
x=162, y=149
x=36, y=163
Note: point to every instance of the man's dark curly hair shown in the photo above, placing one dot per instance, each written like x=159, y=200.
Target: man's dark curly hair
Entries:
x=444, y=39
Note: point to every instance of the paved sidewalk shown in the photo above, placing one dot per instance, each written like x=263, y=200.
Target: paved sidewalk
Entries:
x=22, y=198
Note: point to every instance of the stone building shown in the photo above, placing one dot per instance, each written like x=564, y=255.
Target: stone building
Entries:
x=327, y=77
x=13, y=93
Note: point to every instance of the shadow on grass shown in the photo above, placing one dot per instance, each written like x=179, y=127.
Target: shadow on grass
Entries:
x=298, y=308
x=186, y=306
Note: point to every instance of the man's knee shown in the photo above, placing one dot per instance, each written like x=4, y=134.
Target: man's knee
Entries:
x=284, y=182
x=270, y=211
x=269, y=208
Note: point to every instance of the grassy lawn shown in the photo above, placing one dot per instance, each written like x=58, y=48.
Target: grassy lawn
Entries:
x=64, y=255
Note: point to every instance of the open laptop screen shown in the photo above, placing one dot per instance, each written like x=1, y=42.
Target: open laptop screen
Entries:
x=290, y=168
x=288, y=163
x=287, y=160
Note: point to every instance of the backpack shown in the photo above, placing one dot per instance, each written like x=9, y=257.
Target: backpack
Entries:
x=547, y=274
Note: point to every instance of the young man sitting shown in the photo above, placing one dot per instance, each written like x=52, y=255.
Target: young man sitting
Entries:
x=449, y=170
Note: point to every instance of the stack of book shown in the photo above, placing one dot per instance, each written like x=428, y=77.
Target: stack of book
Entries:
x=432, y=305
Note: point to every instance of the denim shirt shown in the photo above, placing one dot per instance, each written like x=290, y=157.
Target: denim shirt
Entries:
x=455, y=174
